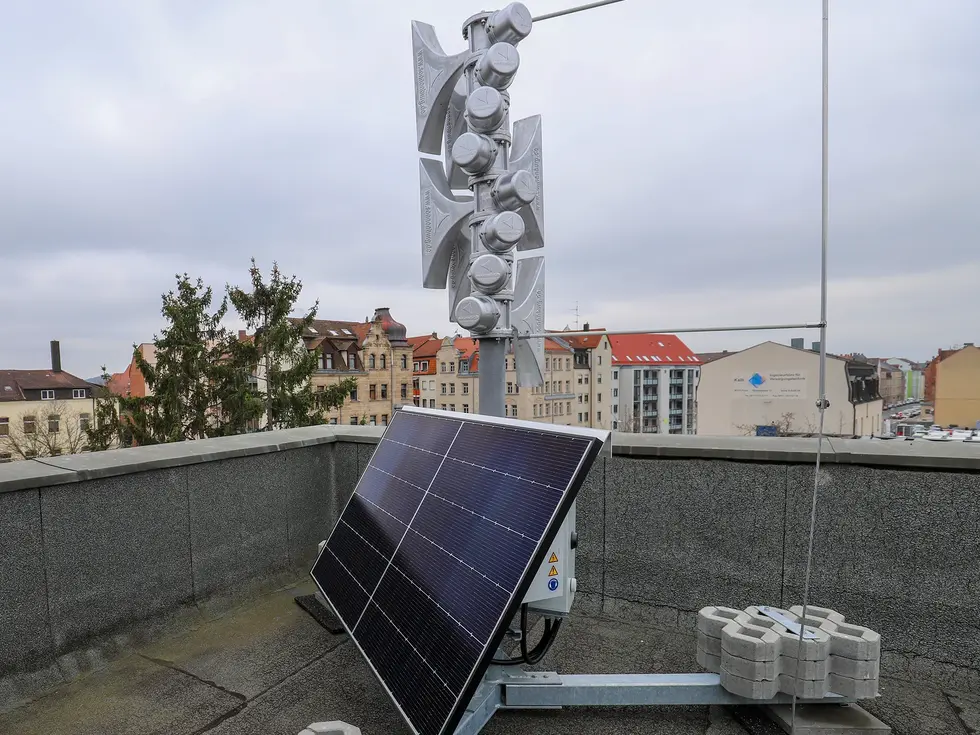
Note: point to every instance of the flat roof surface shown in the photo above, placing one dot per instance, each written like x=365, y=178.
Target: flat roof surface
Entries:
x=269, y=668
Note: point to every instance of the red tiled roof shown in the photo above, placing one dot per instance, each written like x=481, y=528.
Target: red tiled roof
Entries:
x=589, y=342
x=13, y=383
x=651, y=349
x=426, y=346
x=551, y=345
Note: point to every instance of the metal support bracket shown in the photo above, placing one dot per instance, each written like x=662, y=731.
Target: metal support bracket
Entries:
x=504, y=689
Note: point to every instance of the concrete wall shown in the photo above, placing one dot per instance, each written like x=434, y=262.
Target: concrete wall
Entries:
x=100, y=550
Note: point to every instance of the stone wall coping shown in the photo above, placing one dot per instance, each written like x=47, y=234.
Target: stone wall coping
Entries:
x=894, y=453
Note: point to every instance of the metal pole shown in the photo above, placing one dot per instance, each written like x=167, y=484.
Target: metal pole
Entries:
x=569, y=11
x=676, y=330
x=824, y=227
x=493, y=375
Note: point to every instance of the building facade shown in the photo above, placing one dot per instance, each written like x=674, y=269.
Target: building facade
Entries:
x=773, y=389
x=574, y=391
x=891, y=382
x=44, y=413
x=654, y=384
x=914, y=373
x=376, y=354
x=957, y=391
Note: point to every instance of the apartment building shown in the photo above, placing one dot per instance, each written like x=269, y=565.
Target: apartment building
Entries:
x=44, y=413
x=376, y=353
x=891, y=382
x=447, y=378
x=957, y=388
x=772, y=389
x=654, y=384
x=914, y=373
x=592, y=360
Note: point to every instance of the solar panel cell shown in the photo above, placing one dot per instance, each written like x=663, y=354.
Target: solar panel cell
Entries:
x=434, y=551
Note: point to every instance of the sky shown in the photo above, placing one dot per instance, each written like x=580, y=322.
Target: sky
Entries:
x=139, y=140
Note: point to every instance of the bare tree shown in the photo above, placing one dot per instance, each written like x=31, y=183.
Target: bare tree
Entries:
x=783, y=426
x=55, y=429
x=629, y=423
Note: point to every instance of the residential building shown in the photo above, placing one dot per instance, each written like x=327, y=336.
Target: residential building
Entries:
x=44, y=413
x=654, y=384
x=592, y=358
x=914, y=373
x=929, y=379
x=891, y=382
x=774, y=388
x=447, y=375
x=957, y=388
x=424, y=361
x=376, y=353
x=130, y=382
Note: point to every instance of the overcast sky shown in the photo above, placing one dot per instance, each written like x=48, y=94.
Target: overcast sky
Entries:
x=682, y=165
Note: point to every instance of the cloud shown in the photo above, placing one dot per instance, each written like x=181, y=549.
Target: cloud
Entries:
x=682, y=163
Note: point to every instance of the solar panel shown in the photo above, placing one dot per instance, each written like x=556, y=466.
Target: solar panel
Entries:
x=438, y=545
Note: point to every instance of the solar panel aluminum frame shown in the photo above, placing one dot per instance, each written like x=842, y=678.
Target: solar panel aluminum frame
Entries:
x=598, y=440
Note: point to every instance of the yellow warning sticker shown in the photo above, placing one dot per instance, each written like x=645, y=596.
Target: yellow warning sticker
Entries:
x=553, y=559
x=553, y=572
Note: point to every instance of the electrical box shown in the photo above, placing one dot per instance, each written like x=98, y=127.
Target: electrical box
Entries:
x=553, y=590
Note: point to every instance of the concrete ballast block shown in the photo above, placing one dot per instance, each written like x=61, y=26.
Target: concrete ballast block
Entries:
x=713, y=619
x=331, y=728
x=749, y=641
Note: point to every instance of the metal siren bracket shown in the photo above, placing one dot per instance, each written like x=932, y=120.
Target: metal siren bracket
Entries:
x=471, y=241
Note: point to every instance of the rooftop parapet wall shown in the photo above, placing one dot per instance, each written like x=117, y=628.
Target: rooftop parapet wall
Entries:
x=98, y=548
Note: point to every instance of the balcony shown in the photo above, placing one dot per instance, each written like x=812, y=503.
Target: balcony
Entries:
x=171, y=570
x=677, y=381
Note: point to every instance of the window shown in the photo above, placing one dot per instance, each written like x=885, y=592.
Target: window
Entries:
x=326, y=362
x=443, y=386
x=568, y=407
x=352, y=361
x=547, y=363
x=599, y=358
x=384, y=419
x=598, y=378
x=452, y=389
x=4, y=426
x=371, y=360
x=353, y=421
x=442, y=367
x=55, y=451
x=423, y=366
x=78, y=393
x=535, y=410
x=598, y=416
x=384, y=361
x=547, y=409
x=580, y=417
x=510, y=387
x=466, y=389
x=47, y=395
x=568, y=363
x=30, y=424
x=452, y=367
x=615, y=392
x=452, y=406
x=466, y=408
x=586, y=379
x=404, y=393
x=404, y=362
x=333, y=422
x=30, y=454
x=599, y=397
x=5, y=457
x=84, y=421
x=443, y=406
x=464, y=366
x=384, y=391
x=580, y=380
x=373, y=421
x=615, y=375
x=415, y=367
x=373, y=392
x=579, y=397
x=353, y=393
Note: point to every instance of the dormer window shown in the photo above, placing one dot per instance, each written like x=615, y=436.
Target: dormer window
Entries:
x=47, y=395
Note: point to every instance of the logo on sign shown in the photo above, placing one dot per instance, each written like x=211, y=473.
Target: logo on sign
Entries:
x=756, y=380
x=552, y=584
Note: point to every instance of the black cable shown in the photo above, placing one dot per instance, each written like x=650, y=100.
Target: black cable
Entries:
x=536, y=654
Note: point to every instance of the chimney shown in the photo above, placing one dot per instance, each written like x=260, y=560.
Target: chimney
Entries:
x=435, y=336
x=241, y=335
x=797, y=342
x=55, y=356
x=585, y=327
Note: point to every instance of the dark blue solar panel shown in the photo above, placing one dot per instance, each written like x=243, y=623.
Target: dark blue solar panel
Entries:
x=433, y=554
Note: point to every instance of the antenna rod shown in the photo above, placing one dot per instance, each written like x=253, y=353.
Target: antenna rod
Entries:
x=569, y=11
x=683, y=330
